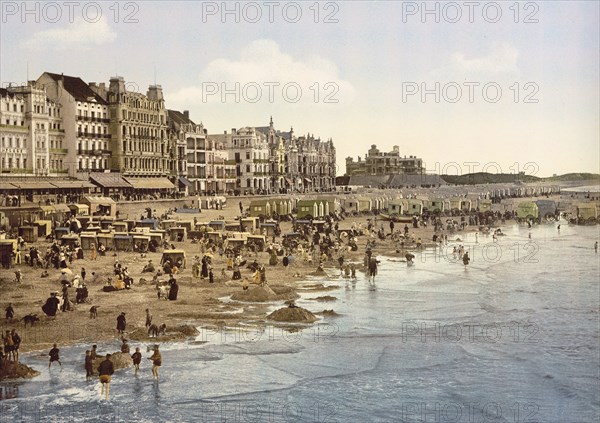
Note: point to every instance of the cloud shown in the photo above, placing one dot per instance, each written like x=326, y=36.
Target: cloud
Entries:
x=261, y=63
x=79, y=34
x=501, y=60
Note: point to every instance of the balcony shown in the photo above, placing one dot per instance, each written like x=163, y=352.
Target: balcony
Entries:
x=59, y=150
x=90, y=135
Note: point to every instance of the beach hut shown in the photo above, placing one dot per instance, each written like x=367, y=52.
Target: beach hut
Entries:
x=28, y=233
x=350, y=205
x=215, y=236
x=106, y=239
x=120, y=226
x=217, y=225
x=177, y=233
x=256, y=242
x=106, y=222
x=169, y=223
x=527, y=210
x=234, y=243
x=123, y=242
x=157, y=236
x=365, y=204
x=79, y=209
x=7, y=246
x=250, y=223
x=267, y=228
x=435, y=205
x=70, y=240
x=395, y=207
x=141, y=242
x=547, y=209
x=100, y=206
x=232, y=226
x=485, y=205
x=60, y=232
x=175, y=257
x=414, y=207
x=261, y=208
x=147, y=223
x=44, y=227
x=187, y=224
x=87, y=239
x=586, y=213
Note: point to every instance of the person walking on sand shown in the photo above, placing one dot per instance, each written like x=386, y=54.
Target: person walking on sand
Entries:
x=596, y=247
x=106, y=370
x=89, y=362
x=10, y=311
x=94, y=253
x=121, y=323
x=54, y=356
x=137, y=359
x=148, y=318
x=16, y=344
x=156, y=362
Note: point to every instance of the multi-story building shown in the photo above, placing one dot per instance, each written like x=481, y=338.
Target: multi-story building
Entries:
x=87, y=140
x=138, y=123
x=300, y=163
x=249, y=151
x=32, y=139
x=190, y=139
x=380, y=163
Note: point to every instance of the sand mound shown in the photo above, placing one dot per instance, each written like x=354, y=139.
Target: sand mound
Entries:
x=14, y=370
x=329, y=313
x=265, y=293
x=295, y=314
x=119, y=360
x=324, y=298
x=176, y=333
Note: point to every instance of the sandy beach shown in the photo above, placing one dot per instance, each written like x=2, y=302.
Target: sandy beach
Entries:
x=199, y=303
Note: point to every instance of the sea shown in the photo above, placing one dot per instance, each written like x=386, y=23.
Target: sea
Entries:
x=512, y=337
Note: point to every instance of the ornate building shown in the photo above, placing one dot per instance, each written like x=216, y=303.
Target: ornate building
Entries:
x=32, y=138
x=300, y=163
x=85, y=122
x=378, y=163
x=191, y=142
x=138, y=122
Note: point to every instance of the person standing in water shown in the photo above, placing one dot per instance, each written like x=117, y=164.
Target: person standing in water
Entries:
x=137, y=359
x=156, y=362
x=106, y=370
x=54, y=356
x=88, y=365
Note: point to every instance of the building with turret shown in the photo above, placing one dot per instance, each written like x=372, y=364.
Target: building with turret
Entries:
x=381, y=163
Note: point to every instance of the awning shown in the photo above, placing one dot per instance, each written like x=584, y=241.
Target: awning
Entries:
x=4, y=186
x=183, y=181
x=151, y=183
x=61, y=207
x=109, y=180
x=33, y=185
x=72, y=184
x=308, y=181
x=289, y=181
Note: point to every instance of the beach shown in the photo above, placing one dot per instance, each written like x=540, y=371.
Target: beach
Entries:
x=198, y=303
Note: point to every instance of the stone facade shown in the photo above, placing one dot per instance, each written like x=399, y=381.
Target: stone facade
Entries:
x=85, y=122
x=380, y=163
x=32, y=138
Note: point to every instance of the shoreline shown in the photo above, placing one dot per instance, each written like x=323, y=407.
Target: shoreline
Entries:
x=199, y=303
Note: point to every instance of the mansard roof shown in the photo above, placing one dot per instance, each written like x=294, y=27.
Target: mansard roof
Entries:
x=77, y=88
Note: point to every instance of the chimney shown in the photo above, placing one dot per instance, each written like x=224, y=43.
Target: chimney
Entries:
x=233, y=131
x=225, y=132
x=186, y=114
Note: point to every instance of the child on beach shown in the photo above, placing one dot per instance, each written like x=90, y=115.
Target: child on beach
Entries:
x=137, y=359
x=156, y=362
x=54, y=356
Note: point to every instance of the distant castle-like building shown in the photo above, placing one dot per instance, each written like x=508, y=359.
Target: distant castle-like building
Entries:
x=380, y=163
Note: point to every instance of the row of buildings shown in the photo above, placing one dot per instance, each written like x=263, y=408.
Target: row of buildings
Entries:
x=62, y=127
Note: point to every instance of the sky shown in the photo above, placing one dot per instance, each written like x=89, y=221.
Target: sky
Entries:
x=466, y=86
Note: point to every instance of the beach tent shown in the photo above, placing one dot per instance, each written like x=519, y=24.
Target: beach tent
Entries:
x=123, y=242
x=87, y=239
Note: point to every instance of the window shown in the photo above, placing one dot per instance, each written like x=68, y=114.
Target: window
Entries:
x=247, y=155
x=248, y=168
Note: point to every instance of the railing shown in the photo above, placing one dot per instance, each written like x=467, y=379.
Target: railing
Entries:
x=59, y=150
